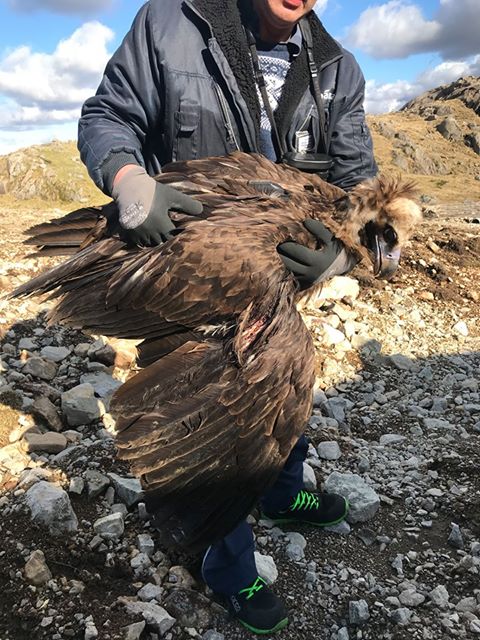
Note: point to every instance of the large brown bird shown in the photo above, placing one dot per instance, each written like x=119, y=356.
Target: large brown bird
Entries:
x=229, y=364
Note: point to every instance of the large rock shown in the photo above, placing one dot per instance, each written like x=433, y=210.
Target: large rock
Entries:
x=40, y=368
x=129, y=490
x=329, y=450
x=358, y=612
x=364, y=502
x=103, y=384
x=50, y=442
x=450, y=129
x=110, y=527
x=51, y=508
x=45, y=410
x=473, y=141
x=55, y=354
x=154, y=615
x=96, y=483
x=80, y=406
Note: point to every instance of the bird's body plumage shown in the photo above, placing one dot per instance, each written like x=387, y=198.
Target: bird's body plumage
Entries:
x=229, y=364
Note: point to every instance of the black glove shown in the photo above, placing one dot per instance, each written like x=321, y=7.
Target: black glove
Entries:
x=315, y=265
x=143, y=205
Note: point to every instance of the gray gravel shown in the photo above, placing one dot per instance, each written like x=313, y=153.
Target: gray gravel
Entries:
x=395, y=428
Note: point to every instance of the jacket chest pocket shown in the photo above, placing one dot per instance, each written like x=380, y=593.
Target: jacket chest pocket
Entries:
x=185, y=144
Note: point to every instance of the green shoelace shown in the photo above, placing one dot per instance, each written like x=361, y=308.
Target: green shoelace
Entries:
x=305, y=500
x=254, y=588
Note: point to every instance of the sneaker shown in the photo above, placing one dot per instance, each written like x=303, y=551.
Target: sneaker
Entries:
x=319, y=509
x=258, y=609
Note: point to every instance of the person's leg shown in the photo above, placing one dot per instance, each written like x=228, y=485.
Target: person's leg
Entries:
x=287, y=500
x=289, y=481
x=229, y=565
x=229, y=569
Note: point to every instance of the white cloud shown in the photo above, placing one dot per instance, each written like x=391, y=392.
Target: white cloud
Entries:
x=387, y=97
x=397, y=29
x=321, y=6
x=82, y=7
x=44, y=88
x=392, y=30
x=381, y=98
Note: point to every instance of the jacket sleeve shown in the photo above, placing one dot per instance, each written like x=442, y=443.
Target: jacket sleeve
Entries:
x=116, y=121
x=351, y=143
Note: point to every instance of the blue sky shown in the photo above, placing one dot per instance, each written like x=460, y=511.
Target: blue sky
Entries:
x=52, y=53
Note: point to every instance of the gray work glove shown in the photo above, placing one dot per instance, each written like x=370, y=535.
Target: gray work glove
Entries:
x=310, y=266
x=143, y=205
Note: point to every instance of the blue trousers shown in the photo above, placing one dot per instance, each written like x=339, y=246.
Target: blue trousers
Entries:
x=229, y=565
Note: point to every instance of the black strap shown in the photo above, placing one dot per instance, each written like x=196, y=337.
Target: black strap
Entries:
x=260, y=81
x=315, y=77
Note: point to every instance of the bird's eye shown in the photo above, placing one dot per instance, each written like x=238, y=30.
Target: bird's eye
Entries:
x=389, y=235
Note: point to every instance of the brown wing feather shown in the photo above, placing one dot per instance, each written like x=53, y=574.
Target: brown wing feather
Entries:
x=214, y=435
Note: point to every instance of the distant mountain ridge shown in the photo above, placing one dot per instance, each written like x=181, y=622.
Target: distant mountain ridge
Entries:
x=467, y=90
x=435, y=138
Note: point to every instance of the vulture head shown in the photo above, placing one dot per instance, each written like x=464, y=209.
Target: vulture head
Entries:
x=377, y=217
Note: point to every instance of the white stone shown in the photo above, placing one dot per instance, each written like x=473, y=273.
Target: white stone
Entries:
x=27, y=343
x=461, y=328
x=129, y=490
x=309, y=478
x=436, y=423
x=145, y=544
x=402, y=616
x=50, y=507
x=150, y=592
x=332, y=336
x=364, y=501
x=391, y=438
x=439, y=596
x=358, y=612
x=410, y=598
x=153, y=614
x=340, y=287
x=80, y=406
x=110, y=527
x=103, y=384
x=329, y=450
x=133, y=631
x=266, y=567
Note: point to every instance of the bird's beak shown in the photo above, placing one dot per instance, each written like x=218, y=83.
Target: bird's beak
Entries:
x=383, y=244
x=386, y=258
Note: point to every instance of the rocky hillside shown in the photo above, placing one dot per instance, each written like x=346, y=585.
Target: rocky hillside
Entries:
x=46, y=173
x=435, y=139
x=467, y=90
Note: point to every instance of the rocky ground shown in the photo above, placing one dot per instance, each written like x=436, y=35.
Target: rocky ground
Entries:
x=396, y=427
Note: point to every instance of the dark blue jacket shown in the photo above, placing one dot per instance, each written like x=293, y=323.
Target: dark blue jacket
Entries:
x=181, y=87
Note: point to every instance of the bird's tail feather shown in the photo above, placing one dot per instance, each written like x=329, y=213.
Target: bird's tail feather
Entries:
x=66, y=235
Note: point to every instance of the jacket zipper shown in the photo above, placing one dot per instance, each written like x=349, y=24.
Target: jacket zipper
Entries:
x=226, y=116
